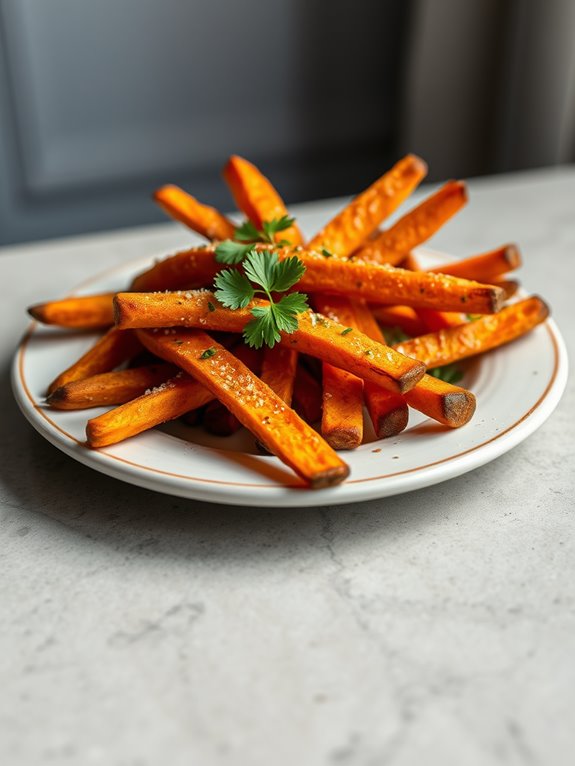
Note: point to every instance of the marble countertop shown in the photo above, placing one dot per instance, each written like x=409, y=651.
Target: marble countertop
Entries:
x=437, y=627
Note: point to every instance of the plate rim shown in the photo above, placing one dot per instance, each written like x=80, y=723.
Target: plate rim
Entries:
x=288, y=495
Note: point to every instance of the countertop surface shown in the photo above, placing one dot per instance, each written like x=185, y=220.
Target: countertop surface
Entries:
x=434, y=627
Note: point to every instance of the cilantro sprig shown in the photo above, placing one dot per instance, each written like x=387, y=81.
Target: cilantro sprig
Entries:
x=247, y=236
x=235, y=289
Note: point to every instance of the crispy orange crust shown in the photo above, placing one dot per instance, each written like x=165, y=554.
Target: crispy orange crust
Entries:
x=437, y=320
x=109, y=388
x=342, y=412
x=353, y=225
x=485, y=333
x=316, y=335
x=416, y=226
x=254, y=404
x=115, y=347
x=279, y=367
x=385, y=284
x=167, y=401
x=88, y=312
x=484, y=267
x=257, y=198
x=354, y=279
x=203, y=219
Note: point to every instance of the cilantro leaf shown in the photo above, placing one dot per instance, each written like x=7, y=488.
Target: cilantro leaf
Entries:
x=286, y=274
x=262, y=329
x=260, y=267
x=247, y=232
x=233, y=289
x=232, y=252
x=449, y=373
x=293, y=303
x=271, y=228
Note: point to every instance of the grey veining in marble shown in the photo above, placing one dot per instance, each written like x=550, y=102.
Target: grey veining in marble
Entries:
x=433, y=628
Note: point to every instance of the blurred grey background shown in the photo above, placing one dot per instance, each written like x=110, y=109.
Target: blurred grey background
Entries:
x=100, y=102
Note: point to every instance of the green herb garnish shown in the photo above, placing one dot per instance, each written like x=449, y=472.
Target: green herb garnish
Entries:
x=208, y=353
x=347, y=329
x=247, y=236
x=264, y=269
x=449, y=373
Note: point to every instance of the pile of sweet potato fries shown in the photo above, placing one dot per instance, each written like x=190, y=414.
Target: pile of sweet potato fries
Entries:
x=171, y=349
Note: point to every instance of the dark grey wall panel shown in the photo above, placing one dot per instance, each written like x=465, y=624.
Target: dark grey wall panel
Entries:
x=103, y=100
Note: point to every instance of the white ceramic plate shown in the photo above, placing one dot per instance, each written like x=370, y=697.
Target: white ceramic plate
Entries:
x=517, y=388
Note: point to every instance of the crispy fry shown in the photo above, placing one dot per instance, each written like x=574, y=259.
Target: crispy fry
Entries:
x=279, y=367
x=169, y=401
x=203, y=219
x=484, y=267
x=416, y=226
x=307, y=395
x=355, y=279
x=255, y=405
x=218, y=420
x=257, y=198
x=509, y=286
x=315, y=335
x=353, y=225
x=187, y=269
x=386, y=284
x=342, y=412
x=485, y=333
x=450, y=405
x=115, y=347
x=85, y=312
x=110, y=388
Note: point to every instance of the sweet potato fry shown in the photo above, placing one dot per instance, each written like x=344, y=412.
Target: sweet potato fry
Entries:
x=187, y=269
x=257, y=198
x=385, y=284
x=342, y=412
x=353, y=225
x=255, y=405
x=115, y=347
x=178, y=396
x=110, y=388
x=84, y=312
x=307, y=395
x=354, y=279
x=484, y=267
x=279, y=367
x=485, y=333
x=218, y=420
x=203, y=219
x=315, y=335
x=450, y=405
x=416, y=226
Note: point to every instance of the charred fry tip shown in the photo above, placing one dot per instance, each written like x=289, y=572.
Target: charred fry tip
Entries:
x=36, y=311
x=512, y=256
x=392, y=423
x=411, y=378
x=343, y=438
x=542, y=307
x=497, y=297
x=330, y=477
x=458, y=407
